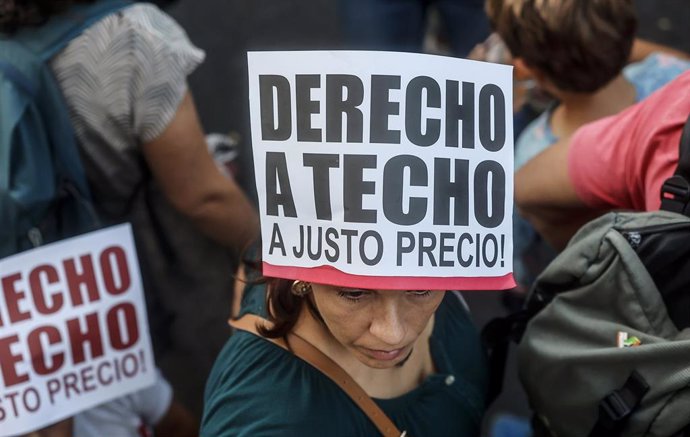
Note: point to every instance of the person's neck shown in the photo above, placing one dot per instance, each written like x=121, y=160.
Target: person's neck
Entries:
x=377, y=383
x=576, y=109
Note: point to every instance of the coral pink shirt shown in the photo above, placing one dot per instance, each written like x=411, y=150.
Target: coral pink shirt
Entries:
x=620, y=162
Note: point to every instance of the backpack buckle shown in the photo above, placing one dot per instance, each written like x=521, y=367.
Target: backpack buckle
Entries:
x=617, y=407
x=675, y=194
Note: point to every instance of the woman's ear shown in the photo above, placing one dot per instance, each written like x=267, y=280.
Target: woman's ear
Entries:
x=522, y=70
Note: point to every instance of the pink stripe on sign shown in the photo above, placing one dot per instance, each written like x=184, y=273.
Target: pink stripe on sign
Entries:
x=331, y=276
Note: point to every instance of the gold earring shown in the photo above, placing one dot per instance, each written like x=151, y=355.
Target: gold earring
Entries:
x=301, y=288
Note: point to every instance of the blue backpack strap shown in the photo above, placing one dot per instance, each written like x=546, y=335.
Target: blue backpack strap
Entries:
x=48, y=39
x=44, y=194
x=23, y=56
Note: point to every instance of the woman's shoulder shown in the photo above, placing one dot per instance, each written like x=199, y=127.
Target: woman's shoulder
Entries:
x=144, y=20
x=249, y=373
x=125, y=76
x=256, y=388
x=139, y=29
x=246, y=357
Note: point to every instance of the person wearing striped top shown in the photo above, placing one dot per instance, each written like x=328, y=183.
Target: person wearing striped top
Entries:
x=124, y=80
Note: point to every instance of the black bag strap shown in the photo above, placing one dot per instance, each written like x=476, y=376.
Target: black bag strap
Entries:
x=312, y=355
x=675, y=192
x=496, y=337
x=500, y=332
x=617, y=407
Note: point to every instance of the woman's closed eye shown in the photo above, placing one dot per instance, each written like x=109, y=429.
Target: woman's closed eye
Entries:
x=353, y=295
x=419, y=293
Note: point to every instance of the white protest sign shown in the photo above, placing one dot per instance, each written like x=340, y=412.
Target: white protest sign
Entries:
x=73, y=329
x=383, y=170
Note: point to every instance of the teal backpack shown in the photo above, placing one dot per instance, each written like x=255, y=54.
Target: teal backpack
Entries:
x=44, y=195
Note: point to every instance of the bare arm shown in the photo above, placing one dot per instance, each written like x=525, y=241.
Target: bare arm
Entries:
x=545, y=196
x=187, y=174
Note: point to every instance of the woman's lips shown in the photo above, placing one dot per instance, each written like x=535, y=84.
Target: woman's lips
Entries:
x=383, y=355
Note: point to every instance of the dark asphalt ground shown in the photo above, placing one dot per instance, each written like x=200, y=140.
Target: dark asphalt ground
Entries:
x=227, y=29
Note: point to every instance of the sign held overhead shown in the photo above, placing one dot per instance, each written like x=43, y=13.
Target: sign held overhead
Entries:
x=392, y=170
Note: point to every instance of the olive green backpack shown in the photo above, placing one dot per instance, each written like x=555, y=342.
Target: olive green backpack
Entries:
x=604, y=337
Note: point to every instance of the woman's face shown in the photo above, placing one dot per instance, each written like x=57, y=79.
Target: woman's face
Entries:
x=380, y=327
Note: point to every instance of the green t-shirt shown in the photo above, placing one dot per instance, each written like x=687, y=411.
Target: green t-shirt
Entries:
x=259, y=389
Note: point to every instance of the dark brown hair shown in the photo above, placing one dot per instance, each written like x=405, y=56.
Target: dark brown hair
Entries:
x=580, y=45
x=285, y=307
x=15, y=14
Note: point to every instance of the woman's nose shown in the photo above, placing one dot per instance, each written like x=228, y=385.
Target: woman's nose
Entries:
x=387, y=325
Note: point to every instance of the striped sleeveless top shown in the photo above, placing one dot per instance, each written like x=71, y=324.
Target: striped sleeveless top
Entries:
x=123, y=80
